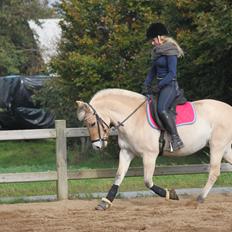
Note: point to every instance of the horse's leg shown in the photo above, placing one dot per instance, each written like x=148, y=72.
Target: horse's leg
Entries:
x=125, y=158
x=149, y=162
x=216, y=153
x=228, y=154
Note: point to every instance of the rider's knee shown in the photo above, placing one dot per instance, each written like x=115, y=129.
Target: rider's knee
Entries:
x=163, y=113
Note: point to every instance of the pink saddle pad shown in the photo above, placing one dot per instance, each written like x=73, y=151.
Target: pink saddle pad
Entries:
x=185, y=115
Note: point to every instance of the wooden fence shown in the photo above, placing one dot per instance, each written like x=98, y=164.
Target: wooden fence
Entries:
x=62, y=175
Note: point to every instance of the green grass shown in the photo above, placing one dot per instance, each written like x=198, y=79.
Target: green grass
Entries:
x=39, y=155
x=103, y=185
x=27, y=156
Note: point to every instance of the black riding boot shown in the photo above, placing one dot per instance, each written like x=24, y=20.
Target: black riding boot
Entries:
x=170, y=125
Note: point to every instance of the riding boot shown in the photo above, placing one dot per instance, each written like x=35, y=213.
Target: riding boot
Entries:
x=170, y=125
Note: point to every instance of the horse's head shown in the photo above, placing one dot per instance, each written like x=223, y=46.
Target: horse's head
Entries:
x=98, y=127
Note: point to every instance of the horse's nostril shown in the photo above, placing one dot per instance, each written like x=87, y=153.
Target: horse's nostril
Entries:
x=96, y=147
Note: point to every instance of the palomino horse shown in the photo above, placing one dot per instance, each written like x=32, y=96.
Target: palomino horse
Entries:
x=113, y=107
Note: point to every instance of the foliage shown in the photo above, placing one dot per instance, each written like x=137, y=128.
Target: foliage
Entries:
x=205, y=31
x=104, y=46
x=58, y=96
x=18, y=51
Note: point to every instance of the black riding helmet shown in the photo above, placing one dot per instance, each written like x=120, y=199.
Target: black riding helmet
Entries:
x=156, y=29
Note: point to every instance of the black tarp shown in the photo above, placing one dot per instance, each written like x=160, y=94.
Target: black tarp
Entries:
x=18, y=111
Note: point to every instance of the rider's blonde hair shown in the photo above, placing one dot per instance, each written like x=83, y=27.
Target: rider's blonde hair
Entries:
x=171, y=40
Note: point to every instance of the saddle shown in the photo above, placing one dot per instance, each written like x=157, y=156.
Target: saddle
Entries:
x=181, y=109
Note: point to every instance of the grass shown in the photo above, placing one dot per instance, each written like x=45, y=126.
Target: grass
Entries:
x=103, y=185
x=27, y=156
x=39, y=155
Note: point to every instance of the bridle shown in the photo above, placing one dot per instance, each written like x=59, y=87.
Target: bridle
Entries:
x=102, y=123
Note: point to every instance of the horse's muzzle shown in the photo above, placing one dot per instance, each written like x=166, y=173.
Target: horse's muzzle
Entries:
x=99, y=144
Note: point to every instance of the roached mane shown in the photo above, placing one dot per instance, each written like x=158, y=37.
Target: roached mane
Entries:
x=123, y=92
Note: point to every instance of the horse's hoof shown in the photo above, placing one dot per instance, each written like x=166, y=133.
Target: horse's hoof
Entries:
x=171, y=194
x=101, y=206
x=200, y=199
x=104, y=204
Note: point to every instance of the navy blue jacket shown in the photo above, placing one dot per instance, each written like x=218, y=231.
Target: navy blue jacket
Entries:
x=164, y=69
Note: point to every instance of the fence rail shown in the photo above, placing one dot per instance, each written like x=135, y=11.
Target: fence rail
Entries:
x=62, y=175
x=107, y=173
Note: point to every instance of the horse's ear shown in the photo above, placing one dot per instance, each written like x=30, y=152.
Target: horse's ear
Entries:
x=82, y=109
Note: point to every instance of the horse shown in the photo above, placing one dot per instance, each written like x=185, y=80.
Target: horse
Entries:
x=126, y=111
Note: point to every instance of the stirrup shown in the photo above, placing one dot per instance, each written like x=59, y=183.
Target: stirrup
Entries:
x=176, y=144
x=171, y=147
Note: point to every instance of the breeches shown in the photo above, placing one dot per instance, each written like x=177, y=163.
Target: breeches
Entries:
x=166, y=97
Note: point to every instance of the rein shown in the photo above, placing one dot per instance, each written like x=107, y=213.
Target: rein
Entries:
x=101, y=121
x=123, y=121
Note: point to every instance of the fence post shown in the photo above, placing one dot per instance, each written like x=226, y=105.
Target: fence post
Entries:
x=61, y=160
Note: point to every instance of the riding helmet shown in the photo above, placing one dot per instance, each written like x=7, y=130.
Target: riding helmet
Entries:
x=156, y=29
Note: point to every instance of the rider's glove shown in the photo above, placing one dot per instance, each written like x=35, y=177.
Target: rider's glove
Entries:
x=146, y=90
x=155, y=89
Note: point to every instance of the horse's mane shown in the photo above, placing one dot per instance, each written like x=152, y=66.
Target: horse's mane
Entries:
x=116, y=92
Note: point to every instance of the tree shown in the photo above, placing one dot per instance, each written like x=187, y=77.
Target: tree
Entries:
x=205, y=31
x=18, y=51
x=103, y=46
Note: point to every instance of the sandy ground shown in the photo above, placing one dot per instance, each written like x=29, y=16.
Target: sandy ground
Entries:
x=139, y=214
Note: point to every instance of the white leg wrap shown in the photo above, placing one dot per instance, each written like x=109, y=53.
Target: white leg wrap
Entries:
x=107, y=201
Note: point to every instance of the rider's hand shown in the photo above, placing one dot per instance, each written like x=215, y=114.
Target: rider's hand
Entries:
x=146, y=90
x=155, y=89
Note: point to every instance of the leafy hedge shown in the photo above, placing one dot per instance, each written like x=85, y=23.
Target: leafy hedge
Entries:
x=104, y=46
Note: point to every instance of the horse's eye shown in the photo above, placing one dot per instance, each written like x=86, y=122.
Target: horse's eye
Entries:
x=93, y=124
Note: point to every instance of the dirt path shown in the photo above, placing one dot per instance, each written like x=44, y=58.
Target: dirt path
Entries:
x=140, y=214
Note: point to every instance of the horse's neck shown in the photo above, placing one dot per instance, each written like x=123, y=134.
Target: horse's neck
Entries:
x=119, y=108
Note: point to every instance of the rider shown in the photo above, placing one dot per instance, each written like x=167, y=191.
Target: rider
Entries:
x=164, y=64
